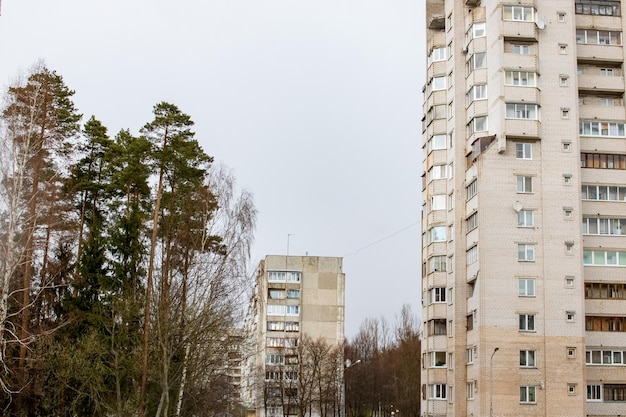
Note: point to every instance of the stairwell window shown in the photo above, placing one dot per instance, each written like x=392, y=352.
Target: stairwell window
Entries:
x=526, y=287
x=524, y=151
x=527, y=322
x=527, y=395
x=525, y=252
x=524, y=184
x=527, y=359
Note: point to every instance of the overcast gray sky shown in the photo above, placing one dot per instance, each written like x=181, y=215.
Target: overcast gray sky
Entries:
x=315, y=105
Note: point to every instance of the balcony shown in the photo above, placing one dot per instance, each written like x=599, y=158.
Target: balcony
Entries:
x=594, y=111
x=522, y=128
x=596, y=21
x=599, y=53
x=600, y=83
x=516, y=94
x=520, y=62
x=519, y=30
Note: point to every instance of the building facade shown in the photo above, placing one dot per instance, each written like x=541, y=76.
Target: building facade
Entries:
x=297, y=305
x=524, y=218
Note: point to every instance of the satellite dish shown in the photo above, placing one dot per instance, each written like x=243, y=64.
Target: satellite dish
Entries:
x=540, y=23
x=517, y=206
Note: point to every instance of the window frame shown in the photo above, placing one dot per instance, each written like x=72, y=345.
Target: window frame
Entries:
x=527, y=322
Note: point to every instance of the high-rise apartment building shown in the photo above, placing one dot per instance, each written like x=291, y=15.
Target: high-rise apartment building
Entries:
x=297, y=300
x=524, y=220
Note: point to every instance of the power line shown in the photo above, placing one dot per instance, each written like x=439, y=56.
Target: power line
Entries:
x=383, y=239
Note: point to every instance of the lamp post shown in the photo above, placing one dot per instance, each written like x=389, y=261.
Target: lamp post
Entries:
x=342, y=403
x=491, y=382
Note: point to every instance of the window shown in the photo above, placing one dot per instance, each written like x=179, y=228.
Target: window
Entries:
x=477, y=61
x=525, y=218
x=275, y=325
x=598, y=37
x=527, y=395
x=293, y=294
x=608, y=72
x=605, y=290
x=437, y=391
x=614, y=392
x=524, y=184
x=274, y=359
x=598, y=7
x=564, y=113
x=439, y=83
x=605, y=324
x=275, y=294
x=438, y=359
x=527, y=359
x=567, y=179
x=604, y=258
x=472, y=222
x=275, y=310
x=437, y=142
x=437, y=112
x=605, y=357
x=519, y=13
x=594, y=392
x=470, y=190
x=564, y=80
x=522, y=111
x=571, y=389
x=520, y=78
x=525, y=252
x=603, y=192
x=470, y=390
x=470, y=321
x=438, y=234
x=438, y=264
x=292, y=326
x=527, y=322
x=526, y=287
x=594, y=128
x=602, y=161
x=477, y=30
x=470, y=353
x=438, y=202
x=293, y=310
x=595, y=226
x=477, y=92
x=524, y=150
x=560, y=17
x=437, y=327
x=275, y=342
x=438, y=54
x=607, y=102
x=478, y=124
x=472, y=254
x=569, y=316
x=276, y=276
x=438, y=295
x=437, y=172
x=562, y=48
x=293, y=276
x=521, y=49
x=571, y=352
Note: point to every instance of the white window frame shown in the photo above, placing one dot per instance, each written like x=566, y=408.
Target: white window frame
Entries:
x=600, y=128
x=478, y=60
x=437, y=142
x=526, y=252
x=470, y=390
x=518, y=13
x=437, y=392
x=292, y=310
x=520, y=78
x=526, y=322
x=438, y=54
x=526, y=111
x=524, y=150
x=527, y=358
x=437, y=295
x=526, y=287
x=439, y=83
x=472, y=255
x=438, y=264
x=594, y=392
x=521, y=49
x=528, y=394
x=479, y=124
x=438, y=202
x=526, y=218
x=437, y=234
x=524, y=184
x=433, y=359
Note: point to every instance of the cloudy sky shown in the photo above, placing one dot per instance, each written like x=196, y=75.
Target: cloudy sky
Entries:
x=315, y=105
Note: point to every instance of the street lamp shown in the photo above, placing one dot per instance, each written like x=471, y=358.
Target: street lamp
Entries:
x=491, y=382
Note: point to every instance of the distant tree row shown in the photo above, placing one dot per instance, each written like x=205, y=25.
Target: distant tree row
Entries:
x=384, y=377
x=122, y=259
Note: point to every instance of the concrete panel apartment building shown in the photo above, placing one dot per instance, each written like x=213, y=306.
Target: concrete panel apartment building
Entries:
x=295, y=297
x=524, y=218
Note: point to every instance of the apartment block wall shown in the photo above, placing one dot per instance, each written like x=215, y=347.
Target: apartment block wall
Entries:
x=528, y=99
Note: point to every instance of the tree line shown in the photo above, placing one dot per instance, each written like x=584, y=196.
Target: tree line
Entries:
x=122, y=260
